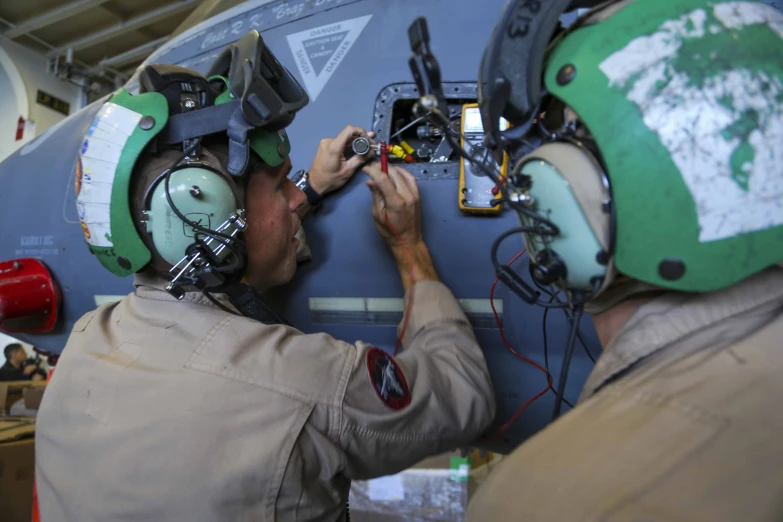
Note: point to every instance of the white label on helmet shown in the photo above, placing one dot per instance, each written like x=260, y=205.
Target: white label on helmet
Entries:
x=318, y=51
x=96, y=168
x=736, y=15
x=724, y=132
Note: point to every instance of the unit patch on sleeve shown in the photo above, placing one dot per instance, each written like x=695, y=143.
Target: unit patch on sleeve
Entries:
x=387, y=379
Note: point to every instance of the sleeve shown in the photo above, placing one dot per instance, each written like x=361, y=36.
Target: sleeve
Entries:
x=434, y=396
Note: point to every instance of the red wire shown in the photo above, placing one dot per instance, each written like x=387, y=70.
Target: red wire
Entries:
x=508, y=423
x=384, y=152
x=410, y=267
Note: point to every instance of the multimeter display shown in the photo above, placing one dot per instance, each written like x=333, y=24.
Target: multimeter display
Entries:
x=475, y=194
x=473, y=123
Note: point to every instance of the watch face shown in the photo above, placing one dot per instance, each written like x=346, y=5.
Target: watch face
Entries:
x=299, y=178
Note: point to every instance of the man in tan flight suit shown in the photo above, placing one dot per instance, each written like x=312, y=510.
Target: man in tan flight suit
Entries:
x=681, y=418
x=178, y=410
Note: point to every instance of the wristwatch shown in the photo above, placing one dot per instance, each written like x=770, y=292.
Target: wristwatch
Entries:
x=300, y=179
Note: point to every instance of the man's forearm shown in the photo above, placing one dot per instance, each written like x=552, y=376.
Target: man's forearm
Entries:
x=415, y=264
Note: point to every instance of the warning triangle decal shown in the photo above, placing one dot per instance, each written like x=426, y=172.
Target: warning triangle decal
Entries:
x=320, y=50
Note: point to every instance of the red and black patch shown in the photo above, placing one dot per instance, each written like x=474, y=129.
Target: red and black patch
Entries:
x=387, y=379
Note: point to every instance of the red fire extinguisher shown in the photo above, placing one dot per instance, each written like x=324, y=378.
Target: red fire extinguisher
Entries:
x=20, y=129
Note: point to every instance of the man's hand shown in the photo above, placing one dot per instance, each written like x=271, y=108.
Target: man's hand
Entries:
x=396, y=205
x=330, y=169
x=30, y=368
x=396, y=210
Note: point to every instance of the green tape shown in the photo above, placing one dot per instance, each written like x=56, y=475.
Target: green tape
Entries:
x=460, y=469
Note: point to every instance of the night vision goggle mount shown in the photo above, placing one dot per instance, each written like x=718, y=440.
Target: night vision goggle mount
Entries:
x=261, y=93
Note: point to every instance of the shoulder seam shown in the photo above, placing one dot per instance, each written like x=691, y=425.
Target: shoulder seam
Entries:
x=221, y=371
x=382, y=435
x=239, y=377
x=345, y=376
x=215, y=329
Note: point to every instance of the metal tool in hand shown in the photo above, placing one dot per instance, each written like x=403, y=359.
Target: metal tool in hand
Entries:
x=362, y=146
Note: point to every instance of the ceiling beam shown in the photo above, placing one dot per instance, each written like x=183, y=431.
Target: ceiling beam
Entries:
x=127, y=26
x=51, y=17
x=47, y=45
x=84, y=69
x=132, y=55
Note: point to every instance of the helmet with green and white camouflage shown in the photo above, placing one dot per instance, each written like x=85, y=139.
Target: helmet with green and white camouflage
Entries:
x=658, y=134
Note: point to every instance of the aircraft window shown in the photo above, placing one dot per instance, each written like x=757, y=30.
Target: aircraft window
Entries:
x=396, y=123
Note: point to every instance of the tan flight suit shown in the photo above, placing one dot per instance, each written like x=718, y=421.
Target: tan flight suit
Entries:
x=681, y=420
x=161, y=410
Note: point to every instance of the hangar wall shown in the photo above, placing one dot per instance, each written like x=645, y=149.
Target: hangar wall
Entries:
x=23, y=73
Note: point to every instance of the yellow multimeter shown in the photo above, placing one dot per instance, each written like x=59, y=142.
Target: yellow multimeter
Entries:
x=475, y=187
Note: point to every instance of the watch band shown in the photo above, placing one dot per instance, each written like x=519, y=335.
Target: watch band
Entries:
x=313, y=198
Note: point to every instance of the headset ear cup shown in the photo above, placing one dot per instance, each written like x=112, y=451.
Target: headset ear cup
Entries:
x=201, y=194
x=567, y=184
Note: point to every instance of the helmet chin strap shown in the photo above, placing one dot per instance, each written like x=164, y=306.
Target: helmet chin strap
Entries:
x=250, y=304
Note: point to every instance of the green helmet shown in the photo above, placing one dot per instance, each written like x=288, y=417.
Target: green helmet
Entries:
x=652, y=140
x=193, y=211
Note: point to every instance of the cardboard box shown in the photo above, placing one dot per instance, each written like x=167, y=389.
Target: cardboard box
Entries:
x=33, y=396
x=17, y=469
x=13, y=391
x=436, y=489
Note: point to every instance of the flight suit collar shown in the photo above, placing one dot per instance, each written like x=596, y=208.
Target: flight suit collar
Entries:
x=152, y=286
x=687, y=322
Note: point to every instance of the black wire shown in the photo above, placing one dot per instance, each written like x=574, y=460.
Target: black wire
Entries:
x=217, y=303
x=587, y=350
x=497, y=265
x=570, y=320
x=235, y=265
x=280, y=319
x=566, y=363
x=546, y=349
x=546, y=357
x=541, y=287
x=501, y=238
x=579, y=336
x=228, y=241
x=554, y=230
x=179, y=214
